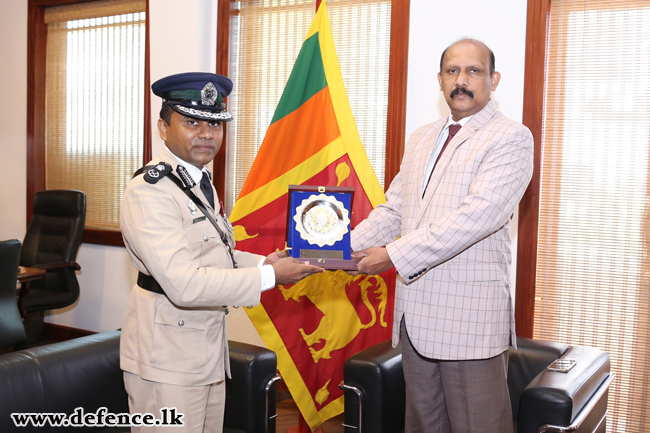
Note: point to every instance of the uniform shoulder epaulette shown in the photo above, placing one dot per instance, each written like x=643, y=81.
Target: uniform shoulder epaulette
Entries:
x=153, y=173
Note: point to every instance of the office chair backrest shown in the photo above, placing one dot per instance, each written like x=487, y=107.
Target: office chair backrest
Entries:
x=55, y=230
x=11, y=325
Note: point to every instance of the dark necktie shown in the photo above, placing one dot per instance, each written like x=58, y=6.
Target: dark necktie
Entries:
x=453, y=129
x=206, y=187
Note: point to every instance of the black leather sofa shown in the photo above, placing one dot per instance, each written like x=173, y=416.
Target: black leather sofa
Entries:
x=542, y=400
x=85, y=373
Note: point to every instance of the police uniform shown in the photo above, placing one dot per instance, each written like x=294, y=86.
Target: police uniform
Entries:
x=174, y=349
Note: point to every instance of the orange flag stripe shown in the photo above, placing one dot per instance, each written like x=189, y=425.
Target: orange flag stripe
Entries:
x=280, y=185
x=314, y=123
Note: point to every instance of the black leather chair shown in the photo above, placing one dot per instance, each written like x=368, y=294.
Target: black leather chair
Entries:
x=85, y=373
x=51, y=243
x=250, y=393
x=542, y=400
x=12, y=330
x=60, y=377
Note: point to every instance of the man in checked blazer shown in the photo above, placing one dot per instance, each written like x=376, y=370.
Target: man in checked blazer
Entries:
x=446, y=229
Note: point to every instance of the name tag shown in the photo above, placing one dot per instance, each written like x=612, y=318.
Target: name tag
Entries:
x=199, y=219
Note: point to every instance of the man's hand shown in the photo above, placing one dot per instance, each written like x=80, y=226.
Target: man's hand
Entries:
x=275, y=256
x=357, y=256
x=372, y=261
x=289, y=270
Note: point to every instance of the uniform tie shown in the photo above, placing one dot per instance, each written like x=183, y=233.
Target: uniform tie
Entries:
x=453, y=129
x=206, y=187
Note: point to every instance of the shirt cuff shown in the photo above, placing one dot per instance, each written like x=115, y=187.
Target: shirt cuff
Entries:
x=268, y=275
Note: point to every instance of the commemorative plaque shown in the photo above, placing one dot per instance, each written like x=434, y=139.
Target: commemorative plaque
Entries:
x=318, y=225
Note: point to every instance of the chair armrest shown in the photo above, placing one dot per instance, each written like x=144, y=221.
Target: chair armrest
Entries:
x=556, y=398
x=375, y=396
x=23, y=296
x=250, y=393
x=58, y=265
x=529, y=359
x=585, y=420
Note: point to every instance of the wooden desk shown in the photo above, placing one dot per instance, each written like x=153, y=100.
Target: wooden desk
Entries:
x=26, y=274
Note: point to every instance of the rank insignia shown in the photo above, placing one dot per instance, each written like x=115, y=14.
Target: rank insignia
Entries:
x=187, y=180
x=153, y=173
x=228, y=224
x=192, y=207
x=226, y=221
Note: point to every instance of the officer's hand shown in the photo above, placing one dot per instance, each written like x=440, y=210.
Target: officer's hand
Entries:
x=275, y=256
x=372, y=261
x=289, y=270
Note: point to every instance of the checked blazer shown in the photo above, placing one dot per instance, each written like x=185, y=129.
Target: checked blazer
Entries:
x=452, y=247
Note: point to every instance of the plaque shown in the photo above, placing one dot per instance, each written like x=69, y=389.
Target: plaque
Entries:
x=318, y=225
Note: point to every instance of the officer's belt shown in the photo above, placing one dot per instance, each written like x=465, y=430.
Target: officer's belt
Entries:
x=149, y=283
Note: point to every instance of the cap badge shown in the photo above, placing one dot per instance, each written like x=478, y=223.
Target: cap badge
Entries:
x=209, y=94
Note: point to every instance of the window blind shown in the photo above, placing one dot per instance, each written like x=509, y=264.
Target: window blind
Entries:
x=593, y=279
x=361, y=31
x=95, y=102
x=265, y=39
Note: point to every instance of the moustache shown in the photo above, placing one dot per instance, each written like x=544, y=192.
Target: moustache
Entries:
x=459, y=91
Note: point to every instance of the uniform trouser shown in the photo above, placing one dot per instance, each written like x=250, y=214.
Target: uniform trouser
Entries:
x=455, y=396
x=202, y=406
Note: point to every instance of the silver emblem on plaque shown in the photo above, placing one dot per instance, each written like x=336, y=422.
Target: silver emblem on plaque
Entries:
x=321, y=220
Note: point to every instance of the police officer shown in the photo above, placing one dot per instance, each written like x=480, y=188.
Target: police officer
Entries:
x=174, y=349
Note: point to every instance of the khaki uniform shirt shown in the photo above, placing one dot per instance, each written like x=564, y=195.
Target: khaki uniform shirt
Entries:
x=180, y=338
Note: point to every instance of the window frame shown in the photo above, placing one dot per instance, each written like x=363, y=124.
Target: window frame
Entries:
x=534, y=85
x=36, y=71
x=398, y=71
x=539, y=14
x=539, y=21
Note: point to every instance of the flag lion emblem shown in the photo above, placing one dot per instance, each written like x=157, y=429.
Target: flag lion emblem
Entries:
x=340, y=323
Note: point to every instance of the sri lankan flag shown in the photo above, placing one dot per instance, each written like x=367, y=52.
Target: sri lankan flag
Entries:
x=315, y=325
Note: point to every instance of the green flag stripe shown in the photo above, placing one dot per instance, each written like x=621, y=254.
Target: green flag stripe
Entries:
x=307, y=78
